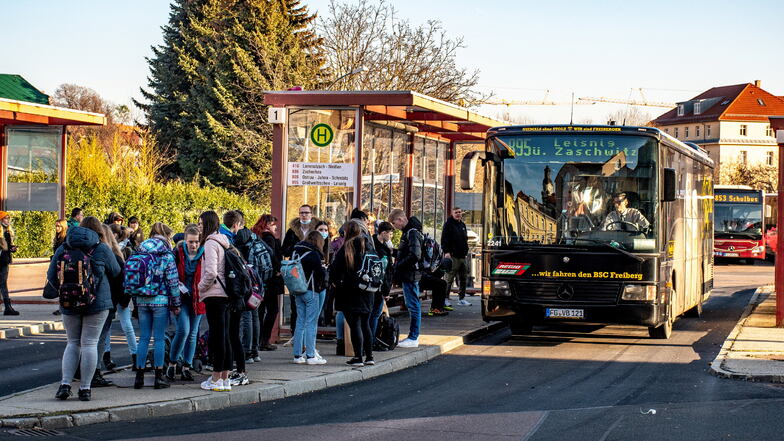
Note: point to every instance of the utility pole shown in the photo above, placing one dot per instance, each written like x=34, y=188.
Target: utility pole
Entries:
x=777, y=124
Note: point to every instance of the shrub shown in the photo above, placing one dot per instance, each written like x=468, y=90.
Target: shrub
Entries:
x=117, y=177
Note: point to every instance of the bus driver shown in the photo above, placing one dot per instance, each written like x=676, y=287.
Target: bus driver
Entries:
x=620, y=218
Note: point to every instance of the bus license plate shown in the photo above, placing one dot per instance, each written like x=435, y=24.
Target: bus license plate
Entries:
x=721, y=254
x=564, y=313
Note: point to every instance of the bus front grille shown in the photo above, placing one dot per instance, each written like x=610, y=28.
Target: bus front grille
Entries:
x=568, y=292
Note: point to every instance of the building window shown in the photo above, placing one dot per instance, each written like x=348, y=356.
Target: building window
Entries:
x=676, y=132
x=666, y=130
x=33, y=169
x=760, y=102
x=697, y=108
x=769, y=159
x=744, y=157
x=744, y=129
x=697, y=131
x=708, y=130
x=383, y=166
x=768, y=131
x=686, y=132
x=681, y=110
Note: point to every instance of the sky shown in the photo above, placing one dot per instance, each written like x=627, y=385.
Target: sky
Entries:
x=522, y=49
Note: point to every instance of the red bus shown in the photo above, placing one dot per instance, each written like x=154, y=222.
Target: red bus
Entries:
x=738, y=229
x=771, y=224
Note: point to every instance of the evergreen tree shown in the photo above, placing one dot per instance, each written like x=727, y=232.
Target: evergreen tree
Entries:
x=208, y=78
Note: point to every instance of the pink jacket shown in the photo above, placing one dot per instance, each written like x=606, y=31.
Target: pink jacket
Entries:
x=212, y=266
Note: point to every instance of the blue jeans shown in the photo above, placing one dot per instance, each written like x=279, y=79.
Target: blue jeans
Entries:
x=378, y=307
x=124, y=314
x=339, y=319
x=307, y=322
x=183, y=346
x=250, y=327
x=153, y=321
x=411, y=293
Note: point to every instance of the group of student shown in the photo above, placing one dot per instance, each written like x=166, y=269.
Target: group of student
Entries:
x=99, y=269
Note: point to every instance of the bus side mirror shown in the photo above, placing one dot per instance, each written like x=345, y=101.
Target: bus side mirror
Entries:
x=468, y=168
x=668, y=187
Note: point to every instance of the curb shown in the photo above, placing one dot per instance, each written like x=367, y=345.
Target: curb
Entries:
x=716, y=366
x=27, y=330
x=248, y=395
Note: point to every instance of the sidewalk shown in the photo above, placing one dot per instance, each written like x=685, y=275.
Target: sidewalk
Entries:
x=754, y=350
x=272, y=379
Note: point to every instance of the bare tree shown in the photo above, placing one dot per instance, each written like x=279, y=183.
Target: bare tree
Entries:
x=395, y=54
x=630, y=116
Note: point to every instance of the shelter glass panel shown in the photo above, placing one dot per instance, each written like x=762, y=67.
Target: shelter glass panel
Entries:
x=397, y=172
x=307, y=144
x=33, y=171
x=417, y=175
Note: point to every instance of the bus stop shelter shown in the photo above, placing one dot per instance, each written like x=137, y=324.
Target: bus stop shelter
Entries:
x=33, y=142
x=374, y=150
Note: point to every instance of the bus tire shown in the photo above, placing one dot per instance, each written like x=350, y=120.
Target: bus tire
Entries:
x=521, y=327
x=661, y=332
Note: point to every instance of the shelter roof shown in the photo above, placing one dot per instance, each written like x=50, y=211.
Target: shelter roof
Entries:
x=14, y=87
x=426, y=114
x=21, y=112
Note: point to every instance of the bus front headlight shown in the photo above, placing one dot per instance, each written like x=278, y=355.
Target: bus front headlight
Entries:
x=501, y=288
x=639, y=292
x=758, y=249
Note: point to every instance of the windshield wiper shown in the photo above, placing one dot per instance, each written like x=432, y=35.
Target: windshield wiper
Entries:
x=618, y=250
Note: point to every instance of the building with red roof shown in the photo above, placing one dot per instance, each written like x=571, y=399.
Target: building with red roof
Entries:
x=730, y=122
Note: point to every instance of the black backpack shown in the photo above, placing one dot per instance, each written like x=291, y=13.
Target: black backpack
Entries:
x=76, y=287
x=370, y=275
x=237, y=281
x=387, y=334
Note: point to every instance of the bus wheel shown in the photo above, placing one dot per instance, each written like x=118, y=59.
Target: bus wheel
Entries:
x=661, y=332
x=521, y=327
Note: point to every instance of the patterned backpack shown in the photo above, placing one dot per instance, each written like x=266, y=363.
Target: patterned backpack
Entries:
x=260, y=257
x=141, y=275
x=77, y=283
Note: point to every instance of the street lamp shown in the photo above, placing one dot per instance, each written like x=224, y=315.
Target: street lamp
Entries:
x=360, y=69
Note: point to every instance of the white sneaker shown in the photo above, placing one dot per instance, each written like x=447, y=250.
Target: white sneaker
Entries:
x=289, y=343
x=226, y=385
x=257, y=359
x=409, y=343
x=298, y=360
x=208, y=384
x=464, y=302
x=316, y=360
x=447, y=303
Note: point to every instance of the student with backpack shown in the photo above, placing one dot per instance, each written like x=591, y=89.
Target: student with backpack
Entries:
x=116, y=288
x=407, y=270
x=257, y=255
x=212, y=292
x=382, y=241
x=151, y=278
x=79, y=276
x=122, y=301
x=266, y=228
x=308, y=254
x=187, y=256
x=232, y=224
x=346, y=274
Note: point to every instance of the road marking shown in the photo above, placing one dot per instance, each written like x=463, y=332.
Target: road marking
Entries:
x=611, y=428
x=536, y=426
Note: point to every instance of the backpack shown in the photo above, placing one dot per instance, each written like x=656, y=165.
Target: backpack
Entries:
x=255, y=296
x=294, y=274
x=75, y=274
x=141, y=275
x=260, y=257
x=387, y=334
x=432, y=255
x=237, y=277
x=370, y=276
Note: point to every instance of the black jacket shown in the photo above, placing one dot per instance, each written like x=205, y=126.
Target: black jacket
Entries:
x=312, y=265
x=275, y=285
x=242, y=242
x=294, y=235
x=409, y=253
x=348, y=296
x=116, y=285
x=384, y=251
x=10, y=243
x=454, y=238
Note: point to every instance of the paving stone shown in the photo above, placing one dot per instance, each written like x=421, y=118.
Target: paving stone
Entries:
x=343, y=377
x=272, y=392
x=56, y=422
x=304, y=386
x=127, y=413
x=213, y=401
x=21, y=423
x=87, y=418
x=167, y=408
x=243, y=395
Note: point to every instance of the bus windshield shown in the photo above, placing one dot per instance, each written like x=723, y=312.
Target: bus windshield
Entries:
x=732, y=218
x=586, y=190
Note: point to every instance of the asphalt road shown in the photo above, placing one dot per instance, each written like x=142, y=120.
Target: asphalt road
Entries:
x=567, y=382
